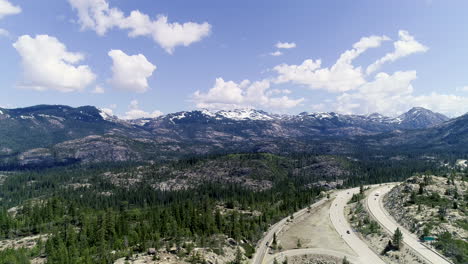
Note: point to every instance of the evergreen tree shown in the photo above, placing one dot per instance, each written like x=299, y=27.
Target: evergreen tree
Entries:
x=397, y=240
x=346, y=261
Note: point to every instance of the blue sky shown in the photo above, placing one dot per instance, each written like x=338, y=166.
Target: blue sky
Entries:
x=174, y=55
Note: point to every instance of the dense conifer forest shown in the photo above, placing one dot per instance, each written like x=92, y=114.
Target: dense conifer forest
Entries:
x=98, y=222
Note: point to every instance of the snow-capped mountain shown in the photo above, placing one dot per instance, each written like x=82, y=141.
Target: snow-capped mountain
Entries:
x=418, y=117
x=236, y=114
x=245, y=114
x=62, y=134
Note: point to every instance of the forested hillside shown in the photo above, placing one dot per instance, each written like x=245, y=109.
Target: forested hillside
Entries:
x=99, y=213
x=52, y=135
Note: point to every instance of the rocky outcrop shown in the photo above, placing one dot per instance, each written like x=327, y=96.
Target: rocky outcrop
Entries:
x=36, y=156
x=96, y=149
x=55, y=133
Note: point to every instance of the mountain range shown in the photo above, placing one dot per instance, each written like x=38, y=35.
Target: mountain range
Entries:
x=55, y=134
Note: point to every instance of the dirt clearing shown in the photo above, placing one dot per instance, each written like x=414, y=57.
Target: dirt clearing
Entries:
x=313, y=230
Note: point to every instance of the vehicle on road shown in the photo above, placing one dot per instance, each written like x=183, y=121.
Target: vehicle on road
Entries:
x=347, y=232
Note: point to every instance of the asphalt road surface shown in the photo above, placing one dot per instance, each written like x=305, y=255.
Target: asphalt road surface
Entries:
x=364, y=254
x=375, y=206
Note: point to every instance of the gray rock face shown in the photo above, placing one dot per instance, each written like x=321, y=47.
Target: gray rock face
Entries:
x=418, y=117
x=48, y=134
x=96, y=149
x=36, y=156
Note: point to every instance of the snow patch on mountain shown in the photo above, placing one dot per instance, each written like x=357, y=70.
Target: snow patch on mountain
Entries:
x=208, y=113
x=245, y=114
x=106, y=115
x=182, y=115
x=376, y=117
x=323, y=115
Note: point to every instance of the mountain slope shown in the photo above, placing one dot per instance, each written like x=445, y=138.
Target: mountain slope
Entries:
x=51, y=134
x=418, y=117
x=32, y=134
x=448, y=137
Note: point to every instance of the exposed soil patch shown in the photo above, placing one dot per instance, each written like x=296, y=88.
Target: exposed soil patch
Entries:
x=314, y=230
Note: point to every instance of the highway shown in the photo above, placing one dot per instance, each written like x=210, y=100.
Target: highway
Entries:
x=364, y=254
x=262, y=247
x=376, y=209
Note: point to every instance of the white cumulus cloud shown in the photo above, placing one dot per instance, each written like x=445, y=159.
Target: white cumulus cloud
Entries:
x=342, y=76
x=130, y=72
x=47, y=65
x=7, y=8
x=135, y=112
x=394, y=94
x=405, y=46
x=100, y=17
x=285, y=45
x=386, y=94
x=276, y=53
x=230, y=95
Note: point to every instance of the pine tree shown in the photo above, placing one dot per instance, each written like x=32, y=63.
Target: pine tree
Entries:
x=397, y=240
x=238, y=259
x=346, y=261
x=275, y=242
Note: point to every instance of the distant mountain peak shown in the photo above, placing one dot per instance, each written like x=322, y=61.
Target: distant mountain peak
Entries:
x=420, y=117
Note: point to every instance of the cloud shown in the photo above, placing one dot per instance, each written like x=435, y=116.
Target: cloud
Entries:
x=340, y=77
x=448, y=104
x=462, y=89
x=47, y=65
x=394, y=94
x=7, y=8
x=285, y=45
x=405, y=46
x=4, y=33
x=231, y=95
x=98, y=16
x=98, y=90
x=130, y=73
x=276, y=53
x=386, y=94
x=135, y=112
